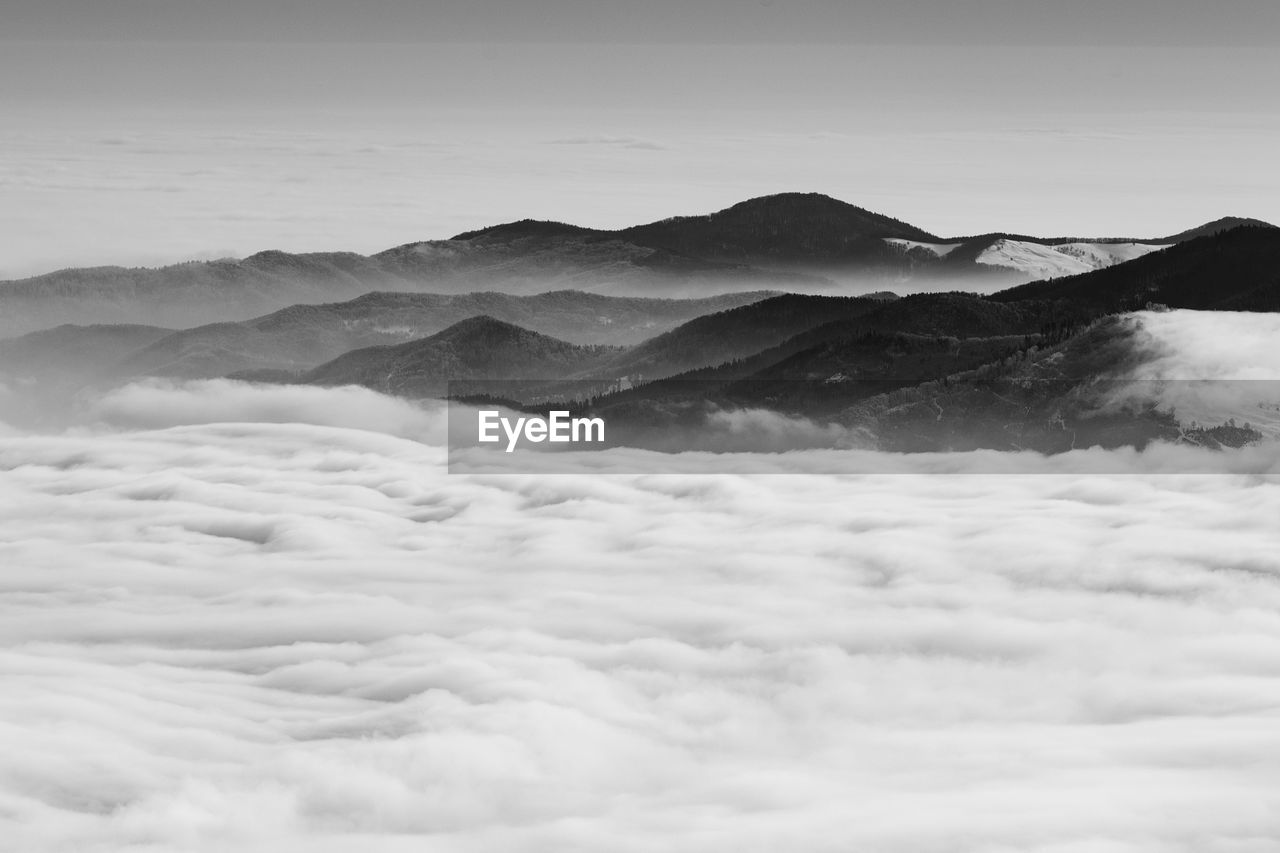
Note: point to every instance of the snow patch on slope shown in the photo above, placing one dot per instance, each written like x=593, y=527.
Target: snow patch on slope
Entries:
x=1062, y=259
x=1108, y=254
x=1032, y=258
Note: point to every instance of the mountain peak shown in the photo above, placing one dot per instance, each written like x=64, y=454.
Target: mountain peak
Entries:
x=794, y=200
x=789, y=206
x=793, y=226
x=270, y=257
x=480, y=347
x=483, y=325
x=1217, y=226
x=507, y=231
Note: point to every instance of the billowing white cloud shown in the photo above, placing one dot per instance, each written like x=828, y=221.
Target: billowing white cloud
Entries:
x=158, y=403
x=1211, y=345
x=266, y=619
x=1211, y=366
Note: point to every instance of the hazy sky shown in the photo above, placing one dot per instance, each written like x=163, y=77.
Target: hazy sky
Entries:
x=144, y=132
x=1254, y=22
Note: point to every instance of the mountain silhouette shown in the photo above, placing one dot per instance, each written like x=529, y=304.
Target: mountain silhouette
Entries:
x=1217, y=226
x=795, y=242
x=478, y=348
x=807, y=228
x=303, y=336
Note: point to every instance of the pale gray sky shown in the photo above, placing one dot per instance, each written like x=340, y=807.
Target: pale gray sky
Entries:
x=1089, y=22
x=1080, y=118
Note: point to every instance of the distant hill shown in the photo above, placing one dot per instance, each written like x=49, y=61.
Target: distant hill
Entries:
x=184, y=295
x=823, y=366
x=794, y=242
x=738, y=341
x=525, y=228
x=303, y=336
x=742, y=343
x=1217, y=226
x=808, y=229
x=736, y=333
x=948, y=315
x=70, y=354
x=529, y=261
x=198, y=293
x=479, y=348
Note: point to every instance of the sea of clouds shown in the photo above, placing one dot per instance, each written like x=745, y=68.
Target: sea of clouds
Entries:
x=235, y=617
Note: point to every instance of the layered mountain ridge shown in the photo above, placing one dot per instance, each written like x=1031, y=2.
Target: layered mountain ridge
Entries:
x=796, y=242
x=872, y=361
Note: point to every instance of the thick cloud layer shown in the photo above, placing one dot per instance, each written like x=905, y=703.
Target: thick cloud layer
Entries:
x=158, y=403
x=284, y=636
x=1213, y=365
x=237, y=618
x=1209, y=345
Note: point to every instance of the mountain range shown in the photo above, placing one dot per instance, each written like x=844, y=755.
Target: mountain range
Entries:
x=871, y=361
x=302, y=336
x=477, y=348
x=795, y=242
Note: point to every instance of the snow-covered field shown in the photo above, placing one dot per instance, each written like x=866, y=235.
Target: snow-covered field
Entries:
x=244, y=619
x=1041, y=261
x=1061, y=259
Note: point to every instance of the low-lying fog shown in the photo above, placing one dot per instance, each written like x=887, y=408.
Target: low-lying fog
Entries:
x=266, y=619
